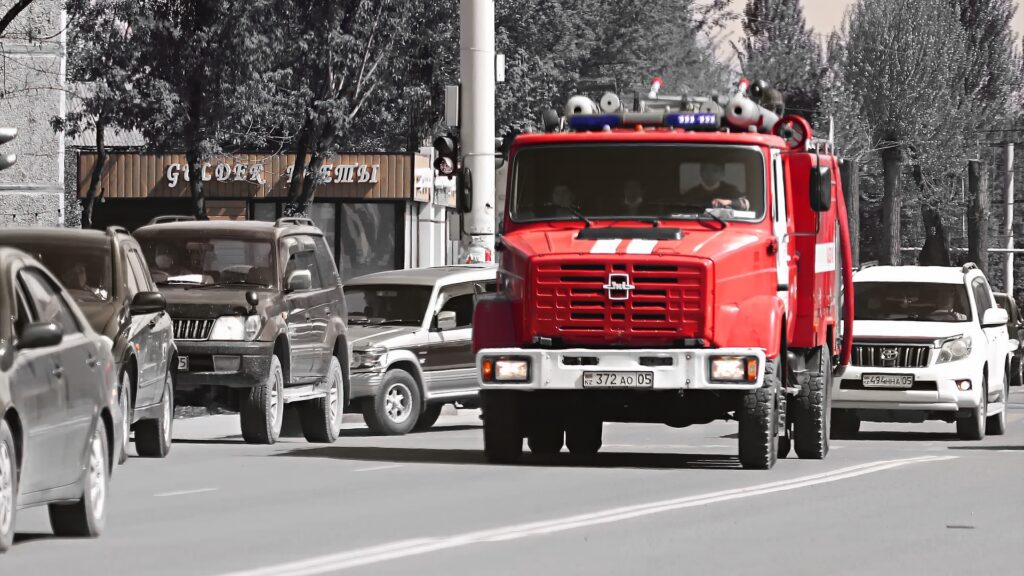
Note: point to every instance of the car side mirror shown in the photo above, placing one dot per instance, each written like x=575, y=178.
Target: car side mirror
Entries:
x=299, y=281
x=148, y=303
x=40, y=335
x=821, y=188
x=994, y=317
x=1014, y=345
x=446, y=321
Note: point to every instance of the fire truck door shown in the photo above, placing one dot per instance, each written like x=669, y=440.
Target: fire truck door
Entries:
x=780, y=223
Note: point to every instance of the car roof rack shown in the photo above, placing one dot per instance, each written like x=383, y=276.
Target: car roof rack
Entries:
x=868, y=264
x=172, y=218
x=294, y=221
x=968, y=267
x=117, y=230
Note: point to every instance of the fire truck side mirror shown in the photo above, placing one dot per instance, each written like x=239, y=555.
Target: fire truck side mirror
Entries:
x=821, y=188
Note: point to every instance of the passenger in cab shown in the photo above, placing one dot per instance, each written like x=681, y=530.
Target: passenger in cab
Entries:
x=713, y=191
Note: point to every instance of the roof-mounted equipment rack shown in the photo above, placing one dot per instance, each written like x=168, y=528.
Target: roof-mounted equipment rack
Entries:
x=172, y=218
x=294, y=221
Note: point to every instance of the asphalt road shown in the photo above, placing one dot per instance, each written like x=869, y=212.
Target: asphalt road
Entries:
x=901, y=499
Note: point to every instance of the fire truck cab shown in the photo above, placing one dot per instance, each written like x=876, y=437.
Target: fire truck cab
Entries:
x=679, y=263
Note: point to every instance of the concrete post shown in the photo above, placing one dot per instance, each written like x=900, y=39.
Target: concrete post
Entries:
x=977, y=223
x=477, y=130
x=1008, y=224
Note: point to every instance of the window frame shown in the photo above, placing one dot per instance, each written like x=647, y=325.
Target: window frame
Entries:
x=75, y=327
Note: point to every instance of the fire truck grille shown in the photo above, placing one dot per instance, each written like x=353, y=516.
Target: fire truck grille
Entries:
x=605, y=301
x=185, y=329
x=890, y=356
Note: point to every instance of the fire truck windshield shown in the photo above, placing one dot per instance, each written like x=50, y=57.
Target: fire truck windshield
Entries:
x=619, y=181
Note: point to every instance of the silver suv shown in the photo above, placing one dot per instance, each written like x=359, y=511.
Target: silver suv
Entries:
x=412, y=343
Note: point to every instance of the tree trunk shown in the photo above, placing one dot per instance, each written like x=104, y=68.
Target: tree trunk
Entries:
x=195, y=182
x=97, y=171
x=299, y=169
x=891, y=166
x=935, y=251
x=851, y=193
x=977, y=215
x=310, y=183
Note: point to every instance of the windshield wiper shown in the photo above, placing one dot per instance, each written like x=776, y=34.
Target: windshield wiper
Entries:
x=234, y=283
x=579, y=215
x=702, y=211
x=400, y=321
x=358, y=320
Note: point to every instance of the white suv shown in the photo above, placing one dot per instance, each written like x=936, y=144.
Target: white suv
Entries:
x=929, y=344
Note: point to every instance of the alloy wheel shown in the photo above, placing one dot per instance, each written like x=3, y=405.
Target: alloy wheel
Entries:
x=398, y=403
x=6, y=489
x=97, y=475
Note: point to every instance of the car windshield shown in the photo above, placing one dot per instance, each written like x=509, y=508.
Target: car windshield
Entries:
x=387, y=304
x=196, y=259
x=915, y=301
x=85, y=271
x=616, y=181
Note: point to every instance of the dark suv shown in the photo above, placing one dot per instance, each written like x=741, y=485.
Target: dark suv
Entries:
x=1015, y=325
x=105, y=273
x=259, y=320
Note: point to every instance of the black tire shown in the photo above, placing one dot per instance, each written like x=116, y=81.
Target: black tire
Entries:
x=812, y=409
x=759, y=423
x=973, y=427
x=153, y=438
x=321, y=417
x=8, y=486
x=124, y=401
x=396, y=406
x=845, y=425
x=428, y=418
x=995, y=425
x=1018, y=374
x=584, y=435
x=785, y=431
x=262, y=409
x=503, y=437
x=546, y=437
x=88, y=516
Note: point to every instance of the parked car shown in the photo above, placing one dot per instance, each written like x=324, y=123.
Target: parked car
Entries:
x=411, y=334
x=1015, y=326
x=106, y=275
x=60, y=424
x=929, y=344
x=259, y=320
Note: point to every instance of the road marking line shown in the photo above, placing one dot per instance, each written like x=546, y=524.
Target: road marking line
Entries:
x=407, y=548
x=373, y=468
x=185, y=492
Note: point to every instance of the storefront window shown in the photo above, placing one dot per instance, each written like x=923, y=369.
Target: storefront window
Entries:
x=265, y=211
x=367, y=239
x=323, y=216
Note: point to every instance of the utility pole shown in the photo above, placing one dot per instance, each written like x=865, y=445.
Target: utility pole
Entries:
x=977, y=223
x=1008, y=225
x=477, y=70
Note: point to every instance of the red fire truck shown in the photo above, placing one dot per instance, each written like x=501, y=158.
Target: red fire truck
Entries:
x=681, y=262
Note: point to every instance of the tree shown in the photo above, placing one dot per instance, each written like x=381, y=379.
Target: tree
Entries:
x=905, y=72
x=779, y=48
x=199, y=71
x=11, y=13
x=99, y=65
x=336, y=56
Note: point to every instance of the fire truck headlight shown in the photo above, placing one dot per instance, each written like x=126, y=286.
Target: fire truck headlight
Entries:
x=506, y=369
x=733, y=368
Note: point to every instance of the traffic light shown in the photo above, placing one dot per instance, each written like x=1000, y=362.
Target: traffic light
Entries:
x=6, y=135
x=447, y=148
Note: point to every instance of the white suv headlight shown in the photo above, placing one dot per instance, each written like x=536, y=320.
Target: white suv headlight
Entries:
x=236, y=328
x=954, y=349
x=367, y=358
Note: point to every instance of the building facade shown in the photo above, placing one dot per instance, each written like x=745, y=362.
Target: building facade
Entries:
x=378, y=211
x=32, y=77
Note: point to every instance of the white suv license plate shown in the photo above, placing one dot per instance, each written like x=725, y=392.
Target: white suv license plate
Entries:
x=618, y=379
x=182, y=363
x=900, y=381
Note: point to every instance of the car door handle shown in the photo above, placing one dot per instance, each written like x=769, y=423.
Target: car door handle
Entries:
x=58, y=372
x=92, y=362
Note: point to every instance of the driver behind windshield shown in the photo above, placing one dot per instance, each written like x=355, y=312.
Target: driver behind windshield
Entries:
x=713, y=191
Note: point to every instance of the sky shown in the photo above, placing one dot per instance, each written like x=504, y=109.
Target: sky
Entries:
x=824, y=16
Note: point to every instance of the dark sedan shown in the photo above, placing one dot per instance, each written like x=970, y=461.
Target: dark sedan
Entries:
x=59, y=415
x=105, y=273
x=1015, y=326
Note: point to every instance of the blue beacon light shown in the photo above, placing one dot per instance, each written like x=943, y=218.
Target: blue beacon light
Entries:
x=693, y=120
x=594, y=121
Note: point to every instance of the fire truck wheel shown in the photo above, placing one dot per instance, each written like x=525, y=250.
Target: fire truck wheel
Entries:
x=812, y=408
x=583, y=436
x=503, y=439
x=546, y=432
x=785, y=431
x=759, y=423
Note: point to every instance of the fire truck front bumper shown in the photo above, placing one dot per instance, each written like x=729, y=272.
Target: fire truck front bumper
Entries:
x=631, y=369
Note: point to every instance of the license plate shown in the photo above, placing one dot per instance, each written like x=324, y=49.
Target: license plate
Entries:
x=183, y=363
x=900, y=381
x=618, y=379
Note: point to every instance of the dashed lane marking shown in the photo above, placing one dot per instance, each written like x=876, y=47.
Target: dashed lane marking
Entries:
x=185, y=492
x=375, y=468
x=407, y=548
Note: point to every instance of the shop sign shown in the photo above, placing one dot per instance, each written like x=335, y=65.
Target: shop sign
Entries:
x=256, y=173
x=423, y=185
